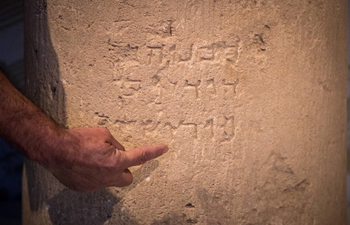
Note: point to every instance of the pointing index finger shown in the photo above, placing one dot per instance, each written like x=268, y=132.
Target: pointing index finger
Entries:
x=143, y=154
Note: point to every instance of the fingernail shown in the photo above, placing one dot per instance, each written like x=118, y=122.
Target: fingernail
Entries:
x=165, y=149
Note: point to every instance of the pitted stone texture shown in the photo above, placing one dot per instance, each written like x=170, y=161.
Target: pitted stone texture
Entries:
x=249, y=95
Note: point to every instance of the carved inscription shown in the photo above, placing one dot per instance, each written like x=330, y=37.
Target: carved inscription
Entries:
x=173, y=53
x=155, y=54
x=197, y=116
x=219, y=52
x=182, y=86
x=206, y=53
x=185, y=54
x=221, y=128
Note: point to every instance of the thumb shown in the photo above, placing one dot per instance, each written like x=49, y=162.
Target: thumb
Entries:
x=141, y=155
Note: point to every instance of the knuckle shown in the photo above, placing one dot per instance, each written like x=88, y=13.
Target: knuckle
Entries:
x=119, y=159
x=145, y=156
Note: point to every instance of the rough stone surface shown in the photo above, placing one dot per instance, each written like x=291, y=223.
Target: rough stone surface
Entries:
x=249, y=95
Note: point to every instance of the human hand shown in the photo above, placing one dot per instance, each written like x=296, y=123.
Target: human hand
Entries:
x=90, y=158
x=83, y=159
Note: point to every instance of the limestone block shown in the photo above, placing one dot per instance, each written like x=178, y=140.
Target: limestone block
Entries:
x=249, y=95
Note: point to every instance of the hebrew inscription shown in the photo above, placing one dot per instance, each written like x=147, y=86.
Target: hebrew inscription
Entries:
x=173, y=53
x=185, y=88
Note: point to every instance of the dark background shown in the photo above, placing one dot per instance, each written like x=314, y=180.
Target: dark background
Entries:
x=11, y=61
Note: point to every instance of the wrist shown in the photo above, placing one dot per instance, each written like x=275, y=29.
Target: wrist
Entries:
x=49, y=137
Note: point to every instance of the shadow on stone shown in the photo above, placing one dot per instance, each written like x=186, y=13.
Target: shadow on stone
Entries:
x=71, y=208
x=214, y=210
x=44, y=87
x=142, y=173
x=174, y=219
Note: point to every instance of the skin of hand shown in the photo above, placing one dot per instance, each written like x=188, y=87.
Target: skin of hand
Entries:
x=83, y=159
x=90, y=158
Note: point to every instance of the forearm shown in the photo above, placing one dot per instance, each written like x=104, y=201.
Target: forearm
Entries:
x=83, y=159
x=25, y=125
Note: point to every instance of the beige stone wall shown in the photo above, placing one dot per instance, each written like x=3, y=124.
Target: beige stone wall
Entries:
x=249, y=95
